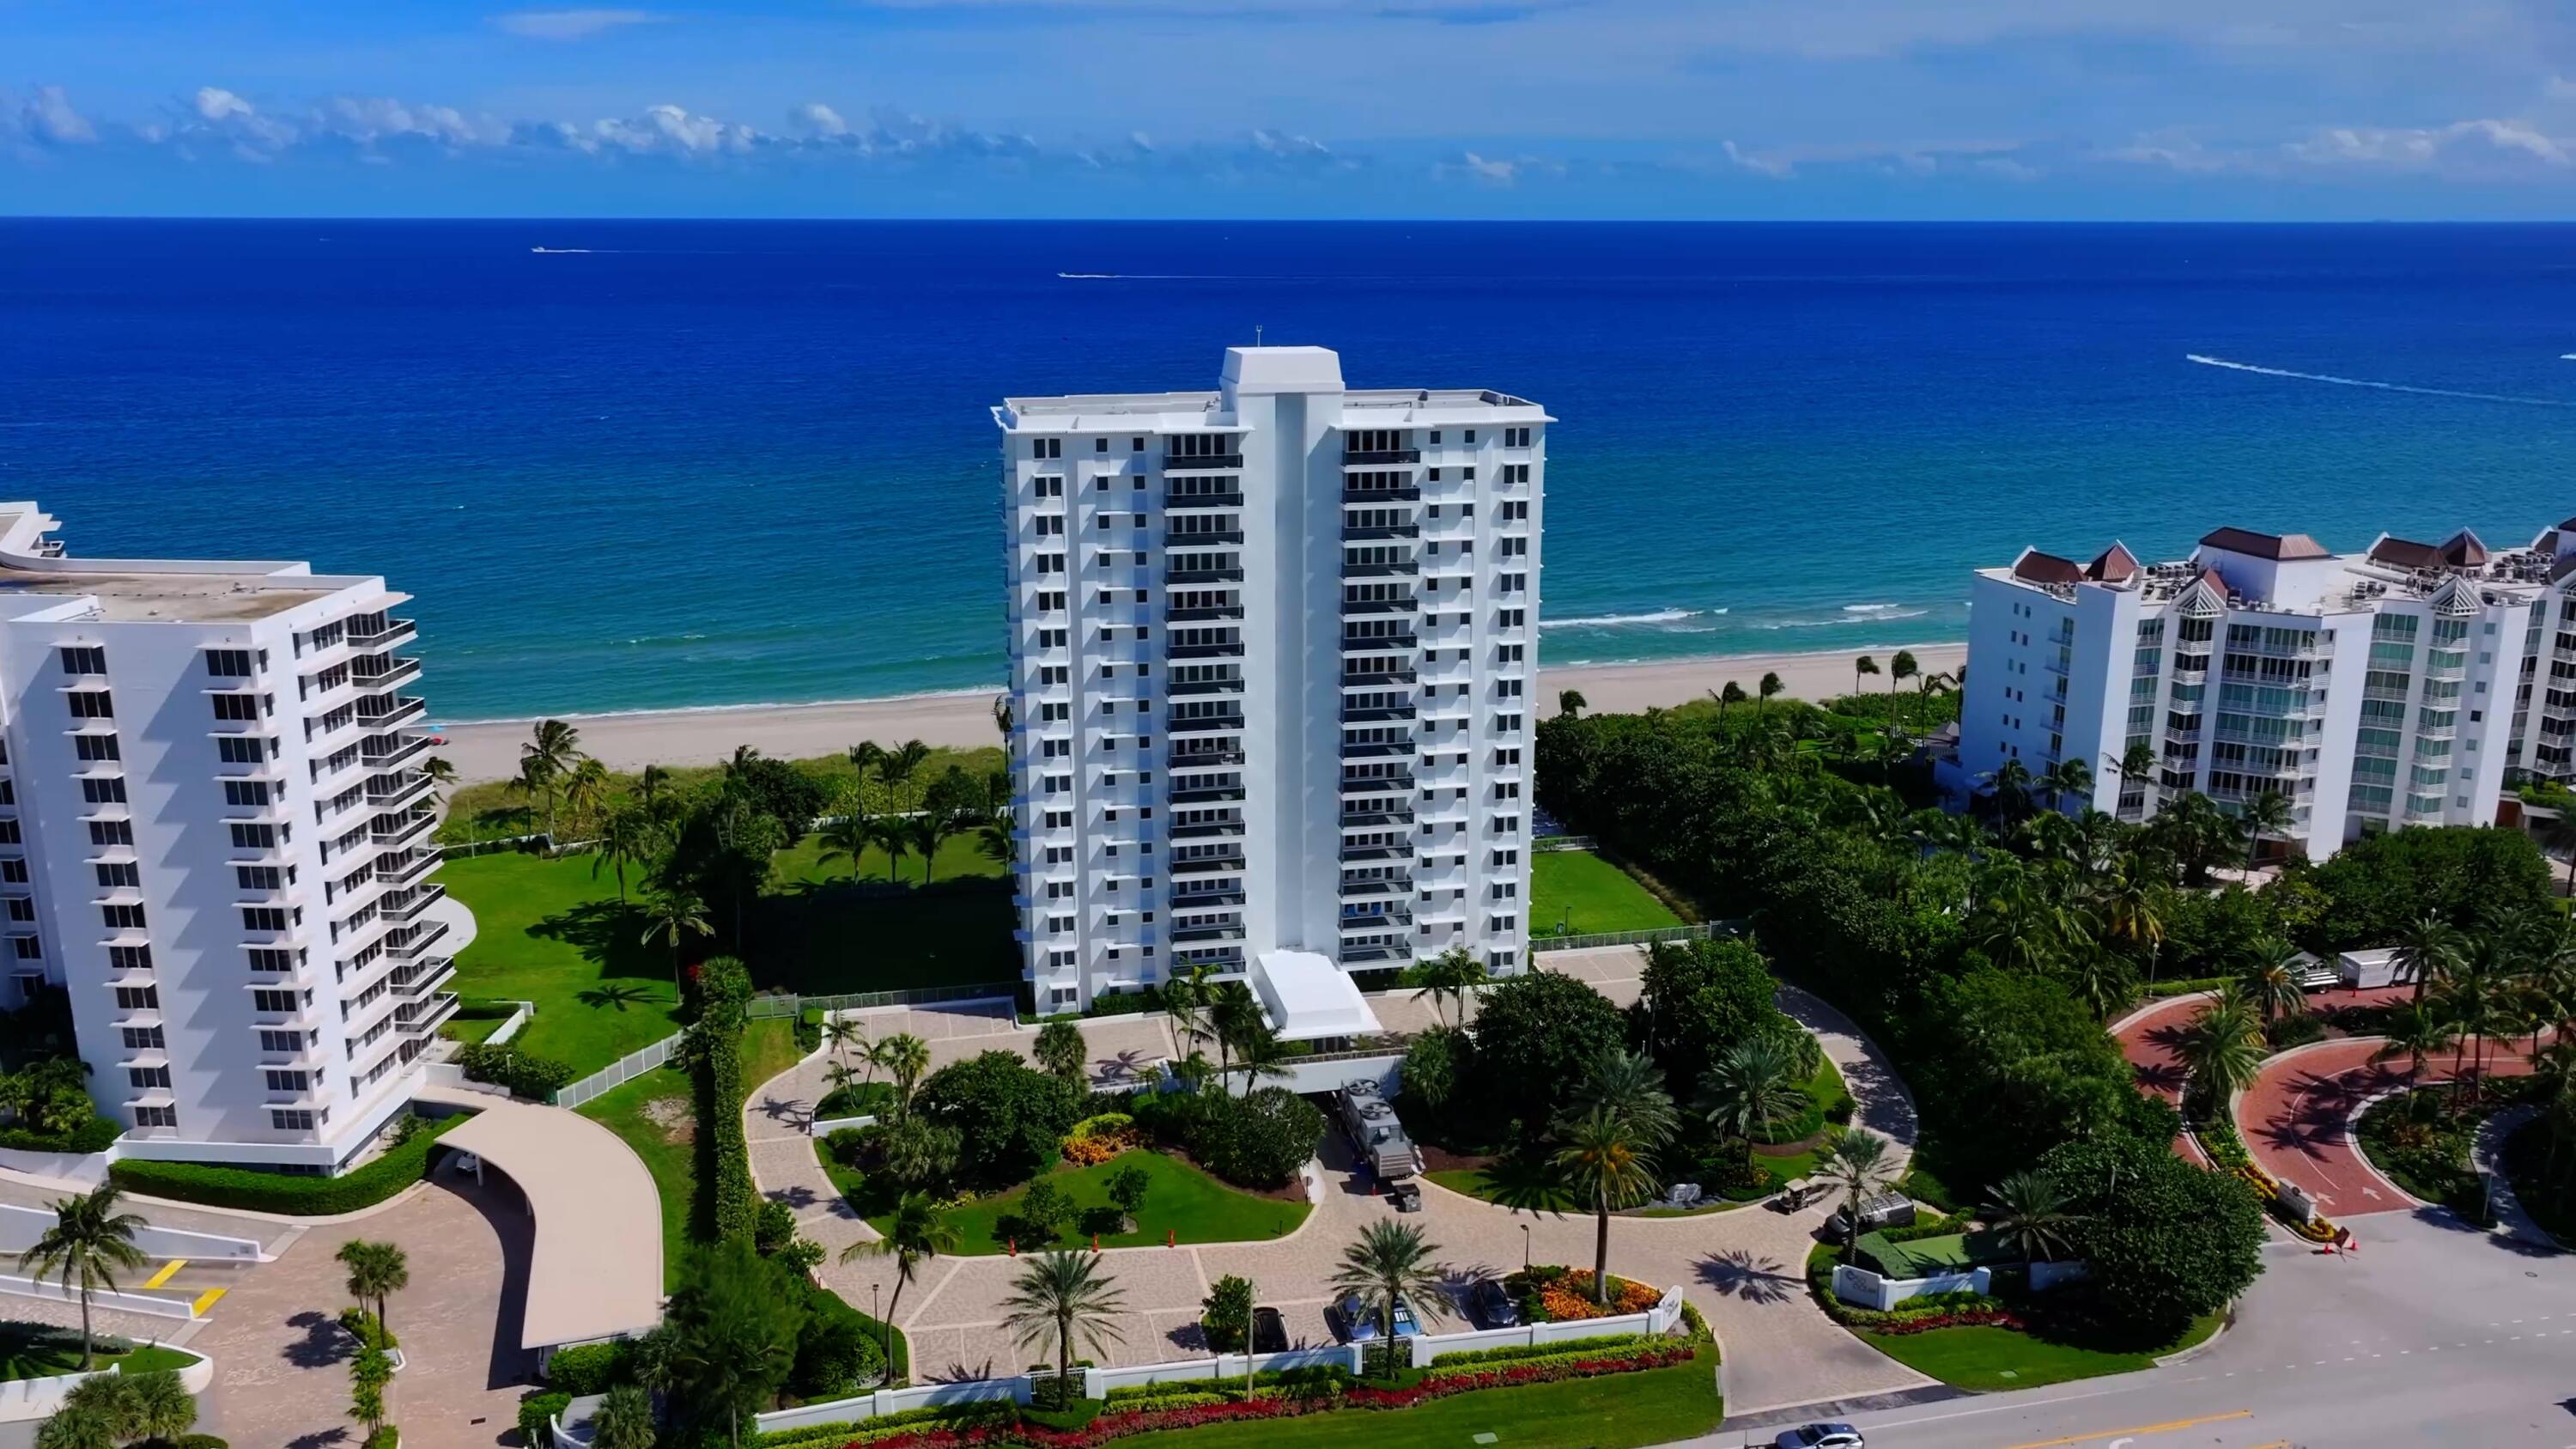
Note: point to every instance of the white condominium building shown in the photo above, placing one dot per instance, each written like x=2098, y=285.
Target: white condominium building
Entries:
x=2405, y=685
x=214, y=835
x=1271, y=650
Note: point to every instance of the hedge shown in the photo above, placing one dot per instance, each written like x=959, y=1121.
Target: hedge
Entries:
x=277, y=1192
x=94, y=1135
x=589, y=1368
x=525, y=1073
x=1601, y=1343
x=536, y=1411
x=831, y=1436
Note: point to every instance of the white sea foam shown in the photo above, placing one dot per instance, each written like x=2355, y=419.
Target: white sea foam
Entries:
x=2567, y=357
x=561, y=251
x=1869, y=614
x=2537, y=402
x=1613, y=621
x=1874, y=609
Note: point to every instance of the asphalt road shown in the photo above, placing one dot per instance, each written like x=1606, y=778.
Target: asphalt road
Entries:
x=2431, y=1334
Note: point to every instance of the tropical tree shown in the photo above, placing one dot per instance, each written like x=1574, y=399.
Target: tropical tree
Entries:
x=2012, y=782
x=1570, y=703
x=732, y=1337
x=896, y=766
x=1061, y=1052
x=649, y=788
x=2267, y=814
x=2131, y=900
x=915, y=1234
x=2414, y=1032
x=2222, y=1047
x=1391, y=1263
x=865, y=756
x=1732, y=694
x=2137, y=766
x=1187, y=995
x=672, y=914
x=2270, y=980
x=925, y=833
x=1856, y=1166
x=2478, y=998
x=1607, y=1159
x=905, y=1057
x=1004, y=717
x=586, y=789
x=2429, y=950
x=1901, y=668
x=1750, y=1086
x=440, y=772
x=2066, y=777
x=626, y=837
x=1062, y=1295
x=844, y=1030
x=377, y=1271
x=2030, y=1212
x=1769, y=686
x=1628, y=1085
x=89, y=1243
x=552, y=751
x=1862, y=668
x=1450, y=976
x=624, y=1419
x=105, y=1410
x=848, y=836
x=2559, y=838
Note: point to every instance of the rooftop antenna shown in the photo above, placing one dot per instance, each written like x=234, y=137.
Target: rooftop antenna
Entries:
x=1256, y=334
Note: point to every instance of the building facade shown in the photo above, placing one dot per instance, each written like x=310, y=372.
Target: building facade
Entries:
x=2409, y=684
x=215, y=838
x=1271, y=653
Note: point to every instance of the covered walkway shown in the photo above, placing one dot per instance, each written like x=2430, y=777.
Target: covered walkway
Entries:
x=595, y=1270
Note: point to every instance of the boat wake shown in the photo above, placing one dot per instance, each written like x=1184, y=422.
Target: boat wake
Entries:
x=2496, y=397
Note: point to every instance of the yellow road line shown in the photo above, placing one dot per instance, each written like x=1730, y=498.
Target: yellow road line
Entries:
x=2164, y=1428
x=205, y=1301
x=168, y=1271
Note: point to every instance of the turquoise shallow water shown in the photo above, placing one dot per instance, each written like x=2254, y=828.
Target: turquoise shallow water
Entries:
x=672, y=464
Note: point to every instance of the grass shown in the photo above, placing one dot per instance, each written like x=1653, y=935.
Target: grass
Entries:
x=1183, y=1201
x=492, y=810
x=36, y=1351
x=667, y=1151
x=1988, y=1359
x=1584, y=895
x=1615, y=1411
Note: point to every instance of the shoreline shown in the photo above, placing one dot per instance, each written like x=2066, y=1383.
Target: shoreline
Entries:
x=488, y=749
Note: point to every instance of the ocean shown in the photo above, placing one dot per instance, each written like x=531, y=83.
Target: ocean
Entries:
x=635, y=465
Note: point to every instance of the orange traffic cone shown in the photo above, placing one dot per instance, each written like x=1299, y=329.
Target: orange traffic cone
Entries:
x=1095, y=1242
x=1014, y=1246
x=1170, y=1241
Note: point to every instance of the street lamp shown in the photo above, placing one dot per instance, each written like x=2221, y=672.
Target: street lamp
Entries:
x=1525, y=1247
x=873, y=1290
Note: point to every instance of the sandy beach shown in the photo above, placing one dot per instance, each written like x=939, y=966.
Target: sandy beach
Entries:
x=489, y=749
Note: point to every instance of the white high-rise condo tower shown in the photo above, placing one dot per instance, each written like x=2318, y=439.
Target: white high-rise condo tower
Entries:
x=2411, y=684
x=214, y=836
x=1271, y=651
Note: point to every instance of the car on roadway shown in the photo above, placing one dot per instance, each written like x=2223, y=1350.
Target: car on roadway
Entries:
x=1818, y=1436
x=1361, y=1321
x=1494, y=1306
x=1269, y=1331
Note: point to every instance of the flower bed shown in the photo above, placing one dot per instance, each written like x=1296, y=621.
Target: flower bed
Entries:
x=1553, y=1293
x=1095, y=1140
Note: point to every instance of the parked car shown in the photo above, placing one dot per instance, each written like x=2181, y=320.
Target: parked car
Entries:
x=1818, y=1436
x=1360, y=1322
x=1494, y=1305
x=1269, y=1331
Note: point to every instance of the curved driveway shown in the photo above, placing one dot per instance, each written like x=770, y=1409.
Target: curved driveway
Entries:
x=2297, y=1117
x=1744, y=1269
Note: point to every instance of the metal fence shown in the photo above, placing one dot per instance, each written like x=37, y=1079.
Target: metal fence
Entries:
x=618, y=1073
x=1547, y=843
x=768, y=1006
x=1634, y=938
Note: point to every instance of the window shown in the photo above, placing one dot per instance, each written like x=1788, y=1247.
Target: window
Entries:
x=122, y=918
x=27, y=947
x=94, y=747
x=281, y=1042
x=145, y=1079
x=1100, y=445
x=286, y=1081
x=156, y=1116
x=228, y=663
x=142, y=1038
x=234, y=750
x=119, y=875
x=271, y=958
x=297, y=1119
x=84, y=659
x=256, y=877
x=21, y=909
x=233, y=708
x=248, y=836
x=129, y=958
x=108, y=791
x=278, y=1001
x=1046, y=448
x=263, y=918
x=242, y=792
x=138, y=998
x=90, y=704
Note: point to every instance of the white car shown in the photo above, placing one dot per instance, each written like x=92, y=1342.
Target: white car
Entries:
x=1818, y=1436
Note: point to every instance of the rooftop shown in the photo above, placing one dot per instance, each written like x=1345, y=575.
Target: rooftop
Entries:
x=1256, y=371
x=35, y=576
x=1308, y=998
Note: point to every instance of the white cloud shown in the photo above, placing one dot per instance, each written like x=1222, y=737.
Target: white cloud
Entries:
x=568, y=24
x=1498, y=172
x=369, y=119
x=1775, y=167
x=48, y=116
x=216, y=104
x=2559, y=88
x=2424, y=148
x=816, y=119
x=666, y=130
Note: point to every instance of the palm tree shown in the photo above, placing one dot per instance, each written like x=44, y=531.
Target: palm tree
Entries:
x=673, y=914
x=906, y=1057
x=159, y=1409
x=1901, y=668
x=626, y=837
x=2064, y=778
x=2137, y=766
x=2222, y=1048
x=1570, y=703
x=2270, y=980
x=1751, y=1085
x=2265, y=814
x=1389, y=1264
x=848, y=837
x=1769, y=686
x=2131, y=898
x=89, y=1243
x=893, y=836
x=866, y=756
x=552, y=750
x=1004, y=718
x=1732, y=694
x=1449, y=976
x=1629, y=1085
x=1062, y=1295
x=1857, y=1166
x=842, y=1032
x=2428, y=951
x=1186, y=995
x=1061, y=1052
x=2479, y=997
x=915, y=1234
x=1607, y=1157
x=2030, y=1212
x=586, y=788
x=376, y=1272
x=1862, y=668
x=2012, y=782
x=649, y=787
x=624, y=1419
x=897, y=765
x=440, y=772
x=927, y=831
x=2414, y=1032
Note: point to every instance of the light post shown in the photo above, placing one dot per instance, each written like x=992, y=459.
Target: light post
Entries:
x=1251, y=1317
x=873, y=1290
x=1525, y=1247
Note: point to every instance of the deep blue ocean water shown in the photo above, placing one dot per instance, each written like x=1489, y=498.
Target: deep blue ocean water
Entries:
x=725, y=462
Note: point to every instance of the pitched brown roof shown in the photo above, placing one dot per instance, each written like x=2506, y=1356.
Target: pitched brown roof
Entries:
x=2114, y=565
x=2266, y=545
x=2046, y=568
x=2216, y=580
x=2405, y=553
x=2464, y=550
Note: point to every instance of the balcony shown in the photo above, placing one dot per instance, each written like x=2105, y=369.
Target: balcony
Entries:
x=1205, y=829
x=378, y=675
x=1202, y=500
x=415, y=940
x=1382, y=495
x=411, y=904
x=398, y=752
x=1206, y=725
x=1360, y=607
x=1180, y=688
x=406, y=709
x=1352, y=645
x=1379, y=457
x=1207, y=865
x=1200, y=759
x=396, y=631
x=1360, y=890
x=1200, y=616
x=1204, y=539
x=421, y=977
x=402, y=868
x=1404, y=568
x=1386, y=815
x=1363, y=533
x=1204, y=576
x=1378, y=676
x=1206, y=794
x=1212, y=931
x=397, y=792
x=420, y=1018
x=1226, y=649
x=1203, y=463
x=1378, y=920
x=1380, y=784
x=1224, y=896
x=1377, y=751
x=396, y=830
x=1376, y=713
x=1352, y=852
x=1362, y=955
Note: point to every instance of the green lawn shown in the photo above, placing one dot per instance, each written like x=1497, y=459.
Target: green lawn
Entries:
x=1574, y=892
x=492, y=809
x=667, y=1150
x=1615, y=1411
x=1987, y=1359
x=546, y=931
x=1183, y=1201
x=35, y=1351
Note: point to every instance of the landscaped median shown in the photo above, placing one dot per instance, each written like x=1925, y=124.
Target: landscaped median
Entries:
x=250, y=1190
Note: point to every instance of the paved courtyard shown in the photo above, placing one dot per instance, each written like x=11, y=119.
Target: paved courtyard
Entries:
x=1743, y=1268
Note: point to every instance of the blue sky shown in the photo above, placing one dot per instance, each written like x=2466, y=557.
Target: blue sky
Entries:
x=2290, y=109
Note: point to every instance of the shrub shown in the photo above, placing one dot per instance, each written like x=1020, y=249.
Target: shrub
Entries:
x=1569, y=1299
x=94, y=1135
x=363, y=1327
x=1259, y=1140
x=836, y=1355
x=536, y=1411
x=524, y=1073
x=773, y=1226
x=2296, y=1029
x=274, y=1192
x=1537, y=1035
x=1009, y=1118
x=1225, y=1315
x=1512, y=1353
x=592, y=1368
x=1043, y=1211
x=850, y=1146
